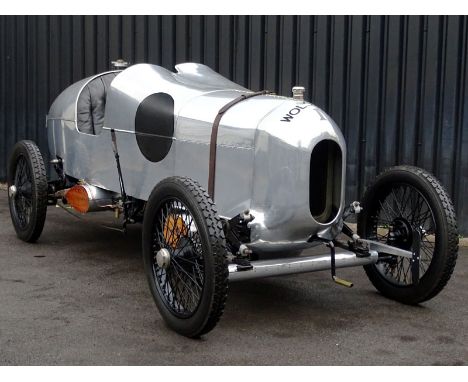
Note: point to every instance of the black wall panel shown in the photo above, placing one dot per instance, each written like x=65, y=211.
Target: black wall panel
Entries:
x=397, y=86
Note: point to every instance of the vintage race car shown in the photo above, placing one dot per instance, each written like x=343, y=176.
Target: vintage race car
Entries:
x=229, y=185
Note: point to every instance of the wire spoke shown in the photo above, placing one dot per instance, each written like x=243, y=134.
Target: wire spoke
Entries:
x=180, y=268
x=181, y=283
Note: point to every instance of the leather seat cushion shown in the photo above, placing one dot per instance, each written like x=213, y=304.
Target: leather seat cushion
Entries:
x=91, y=104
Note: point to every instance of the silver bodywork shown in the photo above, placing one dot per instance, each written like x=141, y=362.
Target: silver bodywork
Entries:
x=263, y=163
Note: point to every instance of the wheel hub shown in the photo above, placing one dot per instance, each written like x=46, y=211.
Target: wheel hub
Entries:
x=163, y=258
x=12, y=191
x=401, y=234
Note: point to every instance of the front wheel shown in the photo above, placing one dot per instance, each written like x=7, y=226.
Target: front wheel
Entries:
x=185, y=256
x=408, y=208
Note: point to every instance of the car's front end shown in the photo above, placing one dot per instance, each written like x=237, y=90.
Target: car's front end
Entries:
x=299, y=178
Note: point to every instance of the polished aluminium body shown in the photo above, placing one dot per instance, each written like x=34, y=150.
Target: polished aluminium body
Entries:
x=264, y=148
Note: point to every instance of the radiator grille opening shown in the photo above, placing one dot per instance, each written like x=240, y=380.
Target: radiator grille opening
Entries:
x=325, y=181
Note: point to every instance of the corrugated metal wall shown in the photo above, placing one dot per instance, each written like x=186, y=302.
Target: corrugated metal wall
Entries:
x=395, y=85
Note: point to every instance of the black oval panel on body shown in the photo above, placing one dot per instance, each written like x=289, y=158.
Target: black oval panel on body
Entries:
x=154, y=126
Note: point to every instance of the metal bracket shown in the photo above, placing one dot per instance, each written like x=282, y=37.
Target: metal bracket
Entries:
x=356, y=244
x=415, y=259
x=70, y=211
x=237, y=233
x=353, y=208
x=388, y=249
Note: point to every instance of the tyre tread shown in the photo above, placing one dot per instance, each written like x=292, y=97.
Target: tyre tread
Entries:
x=218, y=245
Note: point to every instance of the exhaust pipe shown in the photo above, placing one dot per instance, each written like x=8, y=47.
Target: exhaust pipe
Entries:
x=84, y=197
x=299, y=264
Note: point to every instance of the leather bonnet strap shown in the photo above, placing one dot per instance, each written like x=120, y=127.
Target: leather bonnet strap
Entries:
x=214, y=137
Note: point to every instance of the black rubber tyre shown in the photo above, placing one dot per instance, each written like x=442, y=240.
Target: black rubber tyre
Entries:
x=191, y=291
x=413, y=206
x=28, y=205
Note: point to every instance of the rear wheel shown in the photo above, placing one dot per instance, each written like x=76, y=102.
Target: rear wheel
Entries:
x=408, y=208
x=27, y=190
x=185, y=256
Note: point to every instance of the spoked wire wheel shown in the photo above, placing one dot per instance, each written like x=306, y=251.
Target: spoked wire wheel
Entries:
x=406, y=207
x=403, y=217
x=21, y=194
x=185, y=256
x=27, y=190
x=177, y=248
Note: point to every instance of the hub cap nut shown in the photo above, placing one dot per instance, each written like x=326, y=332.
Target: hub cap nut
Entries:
x=163, y=258
x=12, y=191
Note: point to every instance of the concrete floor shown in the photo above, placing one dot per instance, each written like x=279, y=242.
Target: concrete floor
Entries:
x=79, y=297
